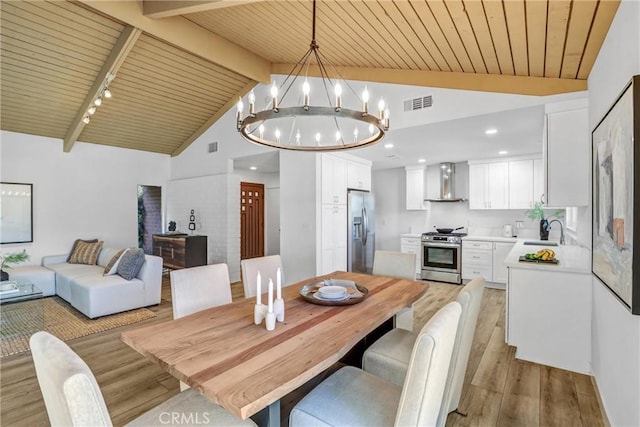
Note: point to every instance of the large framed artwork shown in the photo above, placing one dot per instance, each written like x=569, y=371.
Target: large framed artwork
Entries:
x=616, y=197
x=16, y=212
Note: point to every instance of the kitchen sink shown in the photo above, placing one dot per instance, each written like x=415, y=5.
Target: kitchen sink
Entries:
x=540, y=243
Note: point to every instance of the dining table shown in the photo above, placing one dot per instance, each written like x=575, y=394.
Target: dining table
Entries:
x=246, y=369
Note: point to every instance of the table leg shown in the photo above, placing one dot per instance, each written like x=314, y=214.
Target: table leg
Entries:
x=269, y=416
x=404, y=319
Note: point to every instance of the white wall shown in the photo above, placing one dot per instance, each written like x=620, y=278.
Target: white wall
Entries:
x=88, y=192
x=615, y=332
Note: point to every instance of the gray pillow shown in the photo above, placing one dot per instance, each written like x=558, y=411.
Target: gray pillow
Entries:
x=131, y=263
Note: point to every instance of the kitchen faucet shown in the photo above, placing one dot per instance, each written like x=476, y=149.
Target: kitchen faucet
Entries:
x=561, y=229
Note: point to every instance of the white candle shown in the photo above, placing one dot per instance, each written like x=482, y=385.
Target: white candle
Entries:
x=258, y=289
x=270, y=301
x=278, y=284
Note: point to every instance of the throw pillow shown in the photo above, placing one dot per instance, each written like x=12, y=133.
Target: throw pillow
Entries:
x=73, y=248
x=131, y=263
x=85, y=253
x=112, y=266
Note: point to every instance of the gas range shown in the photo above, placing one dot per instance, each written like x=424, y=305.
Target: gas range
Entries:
x=442, y=237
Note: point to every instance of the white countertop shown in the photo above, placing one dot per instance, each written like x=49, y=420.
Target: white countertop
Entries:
x=414, y=235
x=572, y=259
x=491, y=239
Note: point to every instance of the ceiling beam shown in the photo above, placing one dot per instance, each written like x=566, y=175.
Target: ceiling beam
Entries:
x=156, y=9
x=120, y=50
x=521, y=85
x=206, y=125
x=186, y=35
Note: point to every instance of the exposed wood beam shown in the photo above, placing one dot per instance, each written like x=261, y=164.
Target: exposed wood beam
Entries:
x=522, y=85
x=120, y=50
x=206, y=125
x=186, y=35
x=165, y=8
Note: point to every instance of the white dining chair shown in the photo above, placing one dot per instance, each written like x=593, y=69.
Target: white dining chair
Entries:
x=198, y=288
x=72, y=395
x=352, y=397
x=394, y=264
x=267, y=266
x=389, y=357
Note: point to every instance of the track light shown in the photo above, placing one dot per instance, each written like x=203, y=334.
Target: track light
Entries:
x=86, y=120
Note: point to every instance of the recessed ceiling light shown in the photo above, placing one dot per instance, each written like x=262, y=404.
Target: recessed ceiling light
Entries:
x=389, y=145
x=253, y=168
x=502, y=152
x=491, y=131
x=422, y=160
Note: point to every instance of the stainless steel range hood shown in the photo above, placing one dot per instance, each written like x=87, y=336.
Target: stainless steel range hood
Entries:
x=447, y=184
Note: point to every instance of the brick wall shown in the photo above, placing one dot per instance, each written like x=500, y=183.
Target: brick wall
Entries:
x=152, y=201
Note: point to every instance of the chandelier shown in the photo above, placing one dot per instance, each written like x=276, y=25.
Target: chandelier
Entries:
x=267, y=127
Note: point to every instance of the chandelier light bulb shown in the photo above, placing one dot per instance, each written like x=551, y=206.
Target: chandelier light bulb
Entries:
x=371, y=129
x=298, y=137
x=365, y=101
x=261, y=131
x=318, y=138
x=338, y=91
x=355, y=134
x=86, y=120
x=338, y=136
x=381, y=108
x=107, y=93
x=277, y=133
x=305, y=91
x=91, y=111
x=252, y=102
x=240, y=107
x=97, y=102
x=386, y=118
x=274, y=96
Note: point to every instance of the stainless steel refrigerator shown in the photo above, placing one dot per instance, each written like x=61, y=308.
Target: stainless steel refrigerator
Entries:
x=361, y=243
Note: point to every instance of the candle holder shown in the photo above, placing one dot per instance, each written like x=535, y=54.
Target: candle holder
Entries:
x=278, y=309
x=259, y=313
x=270, y=321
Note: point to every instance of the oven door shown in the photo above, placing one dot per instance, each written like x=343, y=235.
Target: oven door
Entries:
x=441, y=257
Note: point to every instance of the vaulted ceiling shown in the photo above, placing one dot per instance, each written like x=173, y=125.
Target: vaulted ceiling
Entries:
x=180, y=65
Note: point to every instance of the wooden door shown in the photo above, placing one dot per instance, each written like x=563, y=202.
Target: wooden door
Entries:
x=251, y=220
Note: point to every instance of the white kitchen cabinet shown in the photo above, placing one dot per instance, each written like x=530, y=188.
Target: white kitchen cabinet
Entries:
x=566, y=153
x=538, y=180
x=521, y=184
x=412, y=245
x=415, y=195
x=489, y=185
x=548, y=317
x=500, y=252
x=334, y=179
x=358, y=175
x=334, y=238
x=486, y=259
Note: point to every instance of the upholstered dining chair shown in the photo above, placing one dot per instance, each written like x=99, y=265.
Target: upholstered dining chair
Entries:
x=394, y=264
x=267, y=266
x=389, y=357
x=198, y=288
x=357, y=398
x=73, y=398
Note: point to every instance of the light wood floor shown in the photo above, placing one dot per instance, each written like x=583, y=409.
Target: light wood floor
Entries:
x=499, y=390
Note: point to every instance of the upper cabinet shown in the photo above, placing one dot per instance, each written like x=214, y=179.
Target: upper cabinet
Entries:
x=488, y=185
x=566, y=154
x=334, y=179
x=358, y=175
x=416, y=188
x=525, y=183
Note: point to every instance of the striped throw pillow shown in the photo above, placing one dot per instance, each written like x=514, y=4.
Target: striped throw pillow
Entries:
x=85, y=253
x=112, y=266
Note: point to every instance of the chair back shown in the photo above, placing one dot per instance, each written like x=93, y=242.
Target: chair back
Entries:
x=424, y=386
x=70, y=391
x=394, y=264
x=198, y=288
x=267, y=266
x=469, y=298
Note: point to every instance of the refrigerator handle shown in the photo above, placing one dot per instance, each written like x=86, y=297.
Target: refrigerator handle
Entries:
x=365, y=226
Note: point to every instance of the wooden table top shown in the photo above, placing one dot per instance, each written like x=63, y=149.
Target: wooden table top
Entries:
x=243, y=367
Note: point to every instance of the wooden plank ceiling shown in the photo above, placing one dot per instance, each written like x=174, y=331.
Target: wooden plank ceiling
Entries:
x=194, y=58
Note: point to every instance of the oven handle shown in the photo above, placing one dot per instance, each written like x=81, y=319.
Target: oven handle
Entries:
x=441, y=245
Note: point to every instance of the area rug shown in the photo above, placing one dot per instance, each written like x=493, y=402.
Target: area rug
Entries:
x=18, y=321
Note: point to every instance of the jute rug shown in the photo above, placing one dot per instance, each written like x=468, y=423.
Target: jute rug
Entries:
x=18, y=321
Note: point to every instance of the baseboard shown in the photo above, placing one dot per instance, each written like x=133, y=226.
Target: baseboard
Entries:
x=603, y=413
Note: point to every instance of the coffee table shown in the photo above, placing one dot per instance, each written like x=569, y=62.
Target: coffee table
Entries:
x=25, y=291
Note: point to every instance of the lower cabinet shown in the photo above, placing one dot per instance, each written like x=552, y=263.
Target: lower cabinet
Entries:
x=180, y=251
x=486, y=259
x=412, y=245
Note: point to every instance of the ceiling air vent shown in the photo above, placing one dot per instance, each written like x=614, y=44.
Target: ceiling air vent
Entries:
x=418, y=103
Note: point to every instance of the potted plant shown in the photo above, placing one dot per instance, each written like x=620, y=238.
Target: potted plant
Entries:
x=538, y=213
x=12, y=258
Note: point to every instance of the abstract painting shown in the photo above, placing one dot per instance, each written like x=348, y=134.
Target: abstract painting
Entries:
x=16, y=213
x=616, y=164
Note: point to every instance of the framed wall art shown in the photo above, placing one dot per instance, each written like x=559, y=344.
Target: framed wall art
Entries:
x=616, y=197
x=16, y=213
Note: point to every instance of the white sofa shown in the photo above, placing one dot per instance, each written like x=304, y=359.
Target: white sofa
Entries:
x=88, y=290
